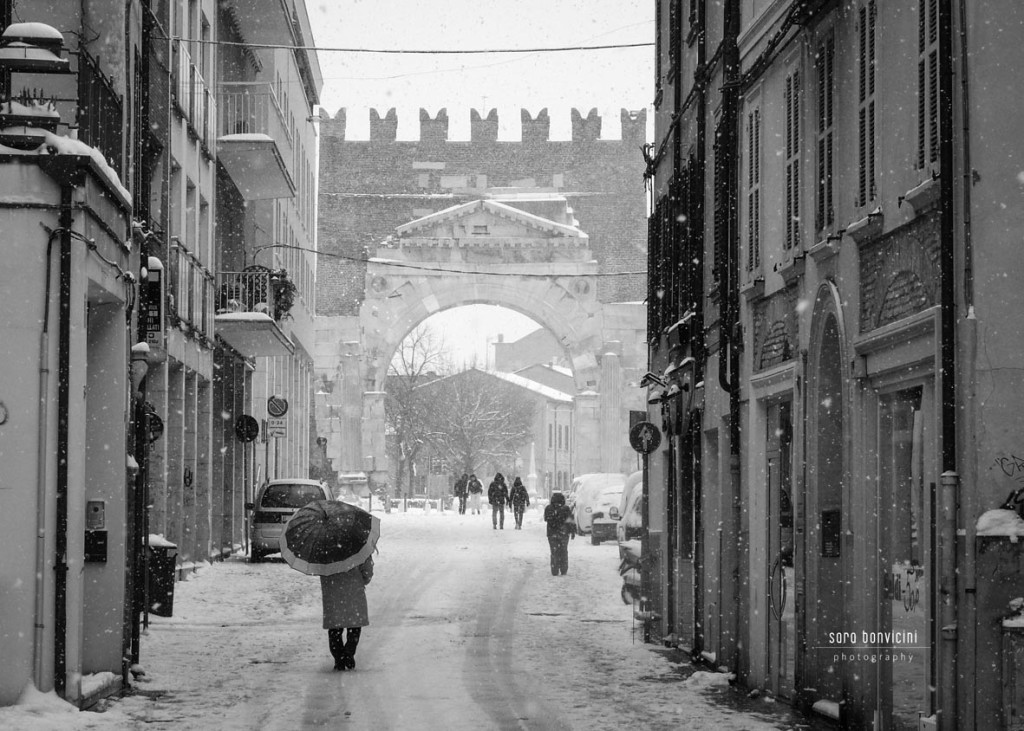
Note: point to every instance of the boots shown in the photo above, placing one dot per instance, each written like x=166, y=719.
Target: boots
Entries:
x=351, y=643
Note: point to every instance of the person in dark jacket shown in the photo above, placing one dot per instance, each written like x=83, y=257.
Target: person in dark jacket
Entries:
x=519, y=498
x=497, y=496
x=561, y=527
x=345, y=612
x=461, y=491
x=476, y=490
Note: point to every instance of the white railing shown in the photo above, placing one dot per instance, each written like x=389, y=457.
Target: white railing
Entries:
x=249, y=107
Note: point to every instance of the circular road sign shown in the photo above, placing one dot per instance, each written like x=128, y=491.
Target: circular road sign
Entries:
x=277, y=407
x=644, y=437
x=246, y=428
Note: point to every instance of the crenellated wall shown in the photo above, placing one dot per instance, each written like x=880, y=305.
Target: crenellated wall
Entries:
x=370, y=187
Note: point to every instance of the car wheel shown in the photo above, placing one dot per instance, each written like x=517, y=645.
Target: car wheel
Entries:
x=256, y=556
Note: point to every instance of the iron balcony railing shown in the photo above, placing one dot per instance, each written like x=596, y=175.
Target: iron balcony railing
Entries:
x=191, y=289
x=192, y=94
x=247, y=107
x=250, y=291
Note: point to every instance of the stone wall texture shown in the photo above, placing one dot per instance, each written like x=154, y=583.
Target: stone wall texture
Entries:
x=368, y=188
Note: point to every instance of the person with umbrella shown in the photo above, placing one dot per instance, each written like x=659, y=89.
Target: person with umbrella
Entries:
x=335, y=541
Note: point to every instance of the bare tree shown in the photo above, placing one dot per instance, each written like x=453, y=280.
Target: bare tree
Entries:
x=419, y=359
x=475, y=418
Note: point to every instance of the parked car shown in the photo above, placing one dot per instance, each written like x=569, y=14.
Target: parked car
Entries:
x=631, y=521
x=596, y=499
x=591, y=481
x=275, y=503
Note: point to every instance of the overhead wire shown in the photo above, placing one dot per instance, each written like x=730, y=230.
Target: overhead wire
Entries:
x=404, y=51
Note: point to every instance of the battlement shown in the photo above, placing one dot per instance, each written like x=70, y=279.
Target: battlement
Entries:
x=434, y=130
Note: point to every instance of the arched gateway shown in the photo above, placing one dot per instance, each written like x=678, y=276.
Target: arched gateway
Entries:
x=519, y=250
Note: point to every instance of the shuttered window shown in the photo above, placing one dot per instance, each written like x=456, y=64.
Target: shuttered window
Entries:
x=928, y=83
x=866, y=18
x=753, y=189
x=824, y=64
x=793, y=145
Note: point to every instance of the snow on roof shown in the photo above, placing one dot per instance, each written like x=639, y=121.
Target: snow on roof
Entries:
x=36, y=109
x=538, y=388
x=246, y=137
x=60, y=145
x=1000, y=522
x=42, y=31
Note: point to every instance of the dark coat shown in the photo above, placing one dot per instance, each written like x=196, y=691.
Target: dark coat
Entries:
x=497, y=493
x=344, y=597
x=559, y=518
x=461, y=487
x=475, y=486
x=519, y=495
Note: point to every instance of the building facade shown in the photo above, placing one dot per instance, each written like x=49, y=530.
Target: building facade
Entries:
x=70, y=142
x=833, y=356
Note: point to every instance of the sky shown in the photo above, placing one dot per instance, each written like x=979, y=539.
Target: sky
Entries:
x=608, y=80
x=463, y=625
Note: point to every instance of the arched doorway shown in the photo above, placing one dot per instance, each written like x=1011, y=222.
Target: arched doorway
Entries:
x=825, y=519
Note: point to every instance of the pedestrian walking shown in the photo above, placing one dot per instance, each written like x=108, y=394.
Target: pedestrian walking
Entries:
x=561, y=527
x=476, y=491
x=497, y=496
x=461, y=491
x=520, y=499
x=345, y=612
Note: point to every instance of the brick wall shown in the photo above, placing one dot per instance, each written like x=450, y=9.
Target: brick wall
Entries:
x=368, y=188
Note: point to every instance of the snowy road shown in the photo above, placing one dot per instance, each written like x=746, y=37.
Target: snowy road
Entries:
x=468, y=630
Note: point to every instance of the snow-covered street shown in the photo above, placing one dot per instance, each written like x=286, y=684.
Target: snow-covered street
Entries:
x=468, y=630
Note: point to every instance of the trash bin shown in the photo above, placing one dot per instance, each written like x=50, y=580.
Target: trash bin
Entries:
x=162, y=557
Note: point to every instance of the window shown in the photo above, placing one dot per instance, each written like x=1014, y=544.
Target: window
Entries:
x=675, y=30
x=866, y=97
x=551, y=436
x=792, y=105
x=824, y=63
x=928, y=83
x=754, y=189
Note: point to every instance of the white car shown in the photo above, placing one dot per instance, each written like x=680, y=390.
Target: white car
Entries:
x=631, y=521
x=591, y=481
x=596, y=499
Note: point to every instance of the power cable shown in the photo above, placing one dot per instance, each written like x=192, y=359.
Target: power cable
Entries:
x=405, y=51
x=404, y=265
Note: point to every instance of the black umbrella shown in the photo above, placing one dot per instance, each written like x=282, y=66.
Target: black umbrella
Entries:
x=328, y=537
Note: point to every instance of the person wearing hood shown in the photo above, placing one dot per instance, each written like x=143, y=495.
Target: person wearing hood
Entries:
x=520, y=499
x=497, y=496
x=561, y=527
x=476, y=490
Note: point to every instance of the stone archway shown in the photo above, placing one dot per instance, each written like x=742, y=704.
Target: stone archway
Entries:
x=524, y=254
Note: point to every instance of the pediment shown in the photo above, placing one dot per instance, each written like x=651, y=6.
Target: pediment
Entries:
x=484, y=220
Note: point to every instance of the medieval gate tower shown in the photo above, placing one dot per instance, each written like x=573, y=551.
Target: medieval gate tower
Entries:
x=555, y=230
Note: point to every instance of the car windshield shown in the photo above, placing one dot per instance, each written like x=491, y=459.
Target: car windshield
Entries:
x=290, y=496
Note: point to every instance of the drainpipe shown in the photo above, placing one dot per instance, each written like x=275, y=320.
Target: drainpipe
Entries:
x=947, y=682
x=43, y=455
x=60, y=566
x=697, y=334
x=729, y=316
x=970, y=345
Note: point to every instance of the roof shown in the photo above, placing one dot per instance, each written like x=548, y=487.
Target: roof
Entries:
x=540, y=389
x=498, y=209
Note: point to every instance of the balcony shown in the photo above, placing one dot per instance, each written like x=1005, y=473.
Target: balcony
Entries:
x=190, y=287
x=253, y=141
x=249, y=307
x=192, y=96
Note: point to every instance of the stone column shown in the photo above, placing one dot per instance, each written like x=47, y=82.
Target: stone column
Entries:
x=613, y=432
x=374, y=453
x=587, y=437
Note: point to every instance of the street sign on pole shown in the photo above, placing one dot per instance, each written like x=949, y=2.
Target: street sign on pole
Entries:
x=277, y=428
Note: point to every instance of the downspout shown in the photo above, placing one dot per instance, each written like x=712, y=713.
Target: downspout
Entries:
x=730, y=310
x=43, y=455
x=60, y=566
x=697, y=332
x=947, y=682
x=970, y=346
